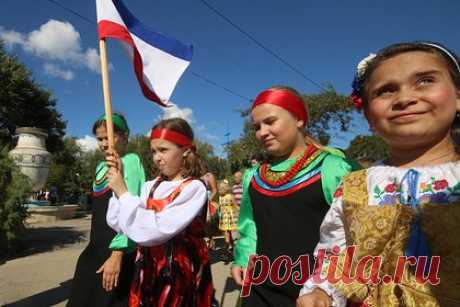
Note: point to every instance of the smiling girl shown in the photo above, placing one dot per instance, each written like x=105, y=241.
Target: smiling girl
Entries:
x=410, y=204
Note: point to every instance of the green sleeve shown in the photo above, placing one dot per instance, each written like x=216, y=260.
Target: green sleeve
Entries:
x=134, y=176
x=334, y=167
x=133, y=173
x=246, y=245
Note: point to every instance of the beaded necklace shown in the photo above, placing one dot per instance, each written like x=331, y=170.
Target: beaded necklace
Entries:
x=295, y=168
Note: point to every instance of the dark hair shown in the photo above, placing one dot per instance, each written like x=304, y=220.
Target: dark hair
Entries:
x=193, y=166
x=118, y=130
x=396, y=49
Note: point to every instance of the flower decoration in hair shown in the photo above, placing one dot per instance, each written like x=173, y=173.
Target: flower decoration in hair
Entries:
x=358, y=80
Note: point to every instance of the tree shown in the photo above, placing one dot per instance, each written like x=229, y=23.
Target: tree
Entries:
x=241, y=151
x=72, y=170
x=367, y=148
x=14, y=188
x=140, y=144
x=325, y=108
x=25, y=103
x=214, y=164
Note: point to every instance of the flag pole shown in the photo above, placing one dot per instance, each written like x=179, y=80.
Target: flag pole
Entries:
x=106, y=91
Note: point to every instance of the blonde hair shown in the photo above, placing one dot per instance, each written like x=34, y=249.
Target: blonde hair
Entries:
x=224, y=187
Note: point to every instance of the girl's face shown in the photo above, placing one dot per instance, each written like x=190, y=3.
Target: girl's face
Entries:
x=276, y=128
x=412, y=99
x=167, y=156
x=103, y=141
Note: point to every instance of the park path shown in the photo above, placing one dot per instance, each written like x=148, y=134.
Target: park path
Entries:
x=42, y=274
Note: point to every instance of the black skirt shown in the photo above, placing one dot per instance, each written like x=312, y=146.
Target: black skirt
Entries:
x=87, y=287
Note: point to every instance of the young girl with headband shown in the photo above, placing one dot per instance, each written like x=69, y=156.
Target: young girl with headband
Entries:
x=408, y=206
x=167, y=221
x=105, y=268
x=285, y=197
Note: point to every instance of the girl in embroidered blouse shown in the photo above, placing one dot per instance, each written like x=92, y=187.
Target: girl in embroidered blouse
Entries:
x=408, y=205
x=285, y=197
x=167, y=221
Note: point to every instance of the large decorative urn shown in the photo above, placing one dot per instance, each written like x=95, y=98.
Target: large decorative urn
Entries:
x=31, y=156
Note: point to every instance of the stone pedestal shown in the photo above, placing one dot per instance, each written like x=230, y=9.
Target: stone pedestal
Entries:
x=47, y=214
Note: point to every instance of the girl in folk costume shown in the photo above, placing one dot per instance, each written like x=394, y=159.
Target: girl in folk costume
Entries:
x=227, y=213
x=286, y=197
x=167, y=221
x=105, y=268
x=409, y=204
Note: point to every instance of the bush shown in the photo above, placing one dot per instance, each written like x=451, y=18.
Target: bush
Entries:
x=14, y=188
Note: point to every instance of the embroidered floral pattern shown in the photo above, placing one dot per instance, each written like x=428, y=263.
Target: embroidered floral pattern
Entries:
x=389, y=195
x=433, y=191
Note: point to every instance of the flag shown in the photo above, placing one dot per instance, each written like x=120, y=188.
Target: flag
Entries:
x=159, y=61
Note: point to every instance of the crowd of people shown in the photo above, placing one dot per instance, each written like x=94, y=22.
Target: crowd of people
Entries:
x=150, y=240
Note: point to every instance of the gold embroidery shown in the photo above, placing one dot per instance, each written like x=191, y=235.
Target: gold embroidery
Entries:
x=384, y=231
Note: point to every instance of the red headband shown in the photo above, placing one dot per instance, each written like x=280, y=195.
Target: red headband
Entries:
x=172, y=136
x=284, y=99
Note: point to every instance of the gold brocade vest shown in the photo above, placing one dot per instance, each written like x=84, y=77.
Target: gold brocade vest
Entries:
x=384, y=231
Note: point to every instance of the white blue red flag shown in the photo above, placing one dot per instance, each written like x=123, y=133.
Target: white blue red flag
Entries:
x=159, y=60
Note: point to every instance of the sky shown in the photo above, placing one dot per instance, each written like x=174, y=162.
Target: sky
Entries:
x=324, y=40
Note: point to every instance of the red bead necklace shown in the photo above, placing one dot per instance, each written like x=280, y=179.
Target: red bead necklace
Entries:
x=264, y=168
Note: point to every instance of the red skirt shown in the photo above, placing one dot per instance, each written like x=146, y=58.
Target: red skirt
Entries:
x=175, y=274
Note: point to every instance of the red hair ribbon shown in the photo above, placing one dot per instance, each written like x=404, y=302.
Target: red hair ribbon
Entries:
x=172, y=136
x=285, y=99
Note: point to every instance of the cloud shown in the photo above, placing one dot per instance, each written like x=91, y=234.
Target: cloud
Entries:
x=210, y=136
x=56, y=71
x=87, y=143
x=175, y=111
x=203, y=132
x=11, y=38
x=55, y=40
x=93, y=61
x=200, y=128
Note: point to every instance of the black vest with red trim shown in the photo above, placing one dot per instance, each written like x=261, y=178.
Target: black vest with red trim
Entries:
x=286, y=225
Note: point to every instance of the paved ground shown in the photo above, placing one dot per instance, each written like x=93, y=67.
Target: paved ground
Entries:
x=42, y=275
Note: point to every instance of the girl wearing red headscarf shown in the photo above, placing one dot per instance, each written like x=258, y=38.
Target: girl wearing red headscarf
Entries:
x=286, y=197
x=167, y=221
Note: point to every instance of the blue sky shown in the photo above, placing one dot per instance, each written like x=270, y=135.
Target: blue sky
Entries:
x=323, y=39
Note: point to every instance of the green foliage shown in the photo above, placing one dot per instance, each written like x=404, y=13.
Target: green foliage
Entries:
x=140, y=144
x=14, y=188
x=24, y=103
x=241, y=151
x=72, y=170
x=215, y=165
x=325, y=108
x=367, y=148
